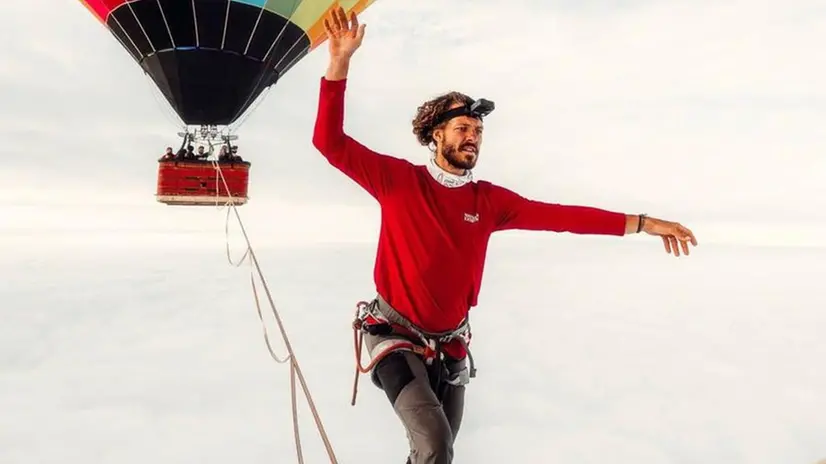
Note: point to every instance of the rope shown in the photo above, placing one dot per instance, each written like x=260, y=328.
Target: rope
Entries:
x=358, y=342
x=167, y=111
x=295, y=369
x=243, y=118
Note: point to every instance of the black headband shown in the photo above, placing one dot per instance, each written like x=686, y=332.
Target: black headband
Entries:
x=477, y=109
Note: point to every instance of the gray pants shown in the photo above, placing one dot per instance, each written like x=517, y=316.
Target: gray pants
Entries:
x=431, y=424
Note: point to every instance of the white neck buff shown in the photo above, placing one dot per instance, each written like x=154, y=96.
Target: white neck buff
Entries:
x=446, y=178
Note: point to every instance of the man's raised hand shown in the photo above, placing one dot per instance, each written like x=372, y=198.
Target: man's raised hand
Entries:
x=343, y=34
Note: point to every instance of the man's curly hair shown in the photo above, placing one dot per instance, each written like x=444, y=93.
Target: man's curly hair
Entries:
x=427, y=112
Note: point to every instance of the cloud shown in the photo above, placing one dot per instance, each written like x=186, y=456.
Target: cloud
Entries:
x=158, y=351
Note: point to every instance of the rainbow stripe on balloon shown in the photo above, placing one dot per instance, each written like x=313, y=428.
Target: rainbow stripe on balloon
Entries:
x=229, y=50
x=308, y=15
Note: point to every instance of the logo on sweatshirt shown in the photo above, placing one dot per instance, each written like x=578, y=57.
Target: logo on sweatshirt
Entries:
x=472, y=217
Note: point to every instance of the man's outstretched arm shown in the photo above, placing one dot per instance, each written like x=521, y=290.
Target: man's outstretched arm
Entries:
x=369, y=169
x=516, y=212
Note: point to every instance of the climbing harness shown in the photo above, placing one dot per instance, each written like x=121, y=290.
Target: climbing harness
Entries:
x=377, y=317
x=295, y=370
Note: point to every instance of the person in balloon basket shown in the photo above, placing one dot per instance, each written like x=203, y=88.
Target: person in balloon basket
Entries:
x=435, y=224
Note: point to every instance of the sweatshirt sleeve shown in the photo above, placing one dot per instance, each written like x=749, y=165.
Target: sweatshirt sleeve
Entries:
x=512, y=211
x=372, y=171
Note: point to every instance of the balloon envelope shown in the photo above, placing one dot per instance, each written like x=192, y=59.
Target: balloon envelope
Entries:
x=212, y=58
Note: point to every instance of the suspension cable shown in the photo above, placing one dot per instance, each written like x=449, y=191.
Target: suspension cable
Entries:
x=295, y=370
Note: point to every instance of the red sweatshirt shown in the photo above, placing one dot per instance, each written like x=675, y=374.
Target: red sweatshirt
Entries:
x=433, y=238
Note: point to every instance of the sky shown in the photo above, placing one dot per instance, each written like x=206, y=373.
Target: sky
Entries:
x=126, y=336
x=710, y=113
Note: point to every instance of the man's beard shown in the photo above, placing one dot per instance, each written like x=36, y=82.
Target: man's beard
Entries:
x=456, y=158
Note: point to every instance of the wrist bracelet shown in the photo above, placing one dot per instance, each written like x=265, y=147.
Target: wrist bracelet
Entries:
x=640, y=222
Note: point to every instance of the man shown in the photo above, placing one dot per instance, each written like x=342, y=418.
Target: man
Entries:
x=168, y=154
x=435, y=225
x=202, y=154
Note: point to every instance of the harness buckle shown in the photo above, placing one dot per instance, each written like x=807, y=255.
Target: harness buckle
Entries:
x=430, y=352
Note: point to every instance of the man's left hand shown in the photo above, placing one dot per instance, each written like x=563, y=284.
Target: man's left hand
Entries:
x=675, y=236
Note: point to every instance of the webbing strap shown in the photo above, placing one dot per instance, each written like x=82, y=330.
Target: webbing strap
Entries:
x=390, y=314
x=389, y=345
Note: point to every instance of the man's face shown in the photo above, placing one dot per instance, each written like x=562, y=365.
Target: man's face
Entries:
x=461, y=140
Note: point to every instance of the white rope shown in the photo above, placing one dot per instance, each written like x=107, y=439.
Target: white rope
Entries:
x=250, y=110
x=295, y=370
x=163, y=105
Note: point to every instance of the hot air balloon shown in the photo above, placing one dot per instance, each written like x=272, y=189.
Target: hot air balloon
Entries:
x=211, y=59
